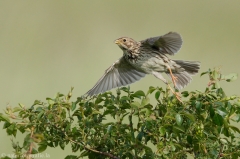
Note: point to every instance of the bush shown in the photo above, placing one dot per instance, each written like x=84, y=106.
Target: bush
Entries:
x=201, y=126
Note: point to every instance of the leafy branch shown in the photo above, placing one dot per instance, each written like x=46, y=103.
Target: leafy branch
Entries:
x=129, y=125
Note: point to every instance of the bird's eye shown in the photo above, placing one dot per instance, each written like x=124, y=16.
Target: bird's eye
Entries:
x=124, y=40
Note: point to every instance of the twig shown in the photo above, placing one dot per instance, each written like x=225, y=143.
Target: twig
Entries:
x=220, y=151
x=28, y=154
x=96, y=151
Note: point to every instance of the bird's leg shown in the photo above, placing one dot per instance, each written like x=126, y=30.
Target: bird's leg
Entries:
x=174, y=79
x=159, y=76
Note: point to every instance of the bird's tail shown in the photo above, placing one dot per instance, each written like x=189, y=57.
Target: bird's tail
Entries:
x=184, y=77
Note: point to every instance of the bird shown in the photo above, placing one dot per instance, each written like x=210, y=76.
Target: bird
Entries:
x=149, y=56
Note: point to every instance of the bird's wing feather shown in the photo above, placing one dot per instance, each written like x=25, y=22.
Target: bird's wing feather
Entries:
x=120, y=73
x=169, y=43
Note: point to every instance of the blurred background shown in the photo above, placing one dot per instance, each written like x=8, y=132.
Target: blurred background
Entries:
x=48, y=46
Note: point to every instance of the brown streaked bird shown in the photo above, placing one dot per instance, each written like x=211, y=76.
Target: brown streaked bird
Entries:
x=147, y=57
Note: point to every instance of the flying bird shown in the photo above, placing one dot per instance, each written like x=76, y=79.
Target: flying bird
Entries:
x=148, y=56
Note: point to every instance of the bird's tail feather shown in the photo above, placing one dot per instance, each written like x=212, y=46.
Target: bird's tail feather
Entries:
x=191, y=67
x=184, y=77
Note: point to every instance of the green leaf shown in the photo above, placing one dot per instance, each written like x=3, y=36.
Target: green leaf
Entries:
x=237, y=117
x=145, y=101
x=36, y=102
x=125, y=98
x=185, y=94
x=60, y=95
x=42, y=148
x=146, y=111
x=218, y=120
x=223, y=140
x=212, y=112
x=109, y=129
x=16, y=109
x=6, y=125
x=157, y=94
x=109, y=111
x=179, y=128
x=73, y=106
x=189, y=139
x=34, y=151
x=84, y=153
x=203, y=73
x=72, y=156
x=215, y=74
x=125, y=106
x=149, y=106
x=27, y=141
x=98, y=112
x=111, y=107
x=50, y=144
x=140, y=136
x=4, y=118
x=138, y=94
x=162, y=130
x=39, y=109
x=196, y=147
x=189, y=116
x=68, y=127
x=212, y=137
x=222, y=111
x=99, y=100
x=198, y=105
x=235, y=129
x=62, y=145
x=12, y=130
x=235, y=155
x=179, y=119
x=40, y=115
x=135, y=104
x=226, y=125
x=231, y=77
x=226, y=132
x=169, y=117
x=125, y=89
x=173, y=148
x=151, y=89
x=56, y=143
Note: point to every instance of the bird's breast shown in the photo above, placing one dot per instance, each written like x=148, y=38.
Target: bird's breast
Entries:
x=131, y=56
x=146, y=62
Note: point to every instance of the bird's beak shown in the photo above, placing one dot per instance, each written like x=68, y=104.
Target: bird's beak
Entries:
x=117, y=42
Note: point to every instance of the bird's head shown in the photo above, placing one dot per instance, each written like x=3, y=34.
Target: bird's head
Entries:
x=125, y=43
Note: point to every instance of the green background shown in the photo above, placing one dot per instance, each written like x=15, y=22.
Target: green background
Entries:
x=48, y=46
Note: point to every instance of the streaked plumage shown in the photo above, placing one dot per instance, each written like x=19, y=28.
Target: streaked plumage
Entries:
x=146, y=57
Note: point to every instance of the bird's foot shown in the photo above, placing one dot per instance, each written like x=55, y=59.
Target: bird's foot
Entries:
x=177, y=94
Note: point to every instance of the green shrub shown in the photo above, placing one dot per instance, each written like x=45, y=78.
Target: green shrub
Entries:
x=130, y=125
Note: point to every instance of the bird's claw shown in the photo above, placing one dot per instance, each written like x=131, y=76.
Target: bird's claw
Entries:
x=177, y=94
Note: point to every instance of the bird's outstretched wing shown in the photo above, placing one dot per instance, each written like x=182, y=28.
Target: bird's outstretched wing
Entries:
x=169, y=43
x=120, y=73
